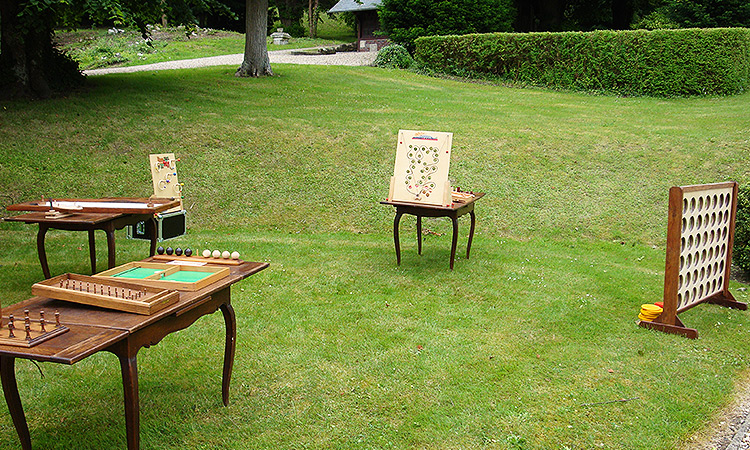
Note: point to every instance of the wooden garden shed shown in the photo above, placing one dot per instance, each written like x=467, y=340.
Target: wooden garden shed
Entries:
x=369, y=36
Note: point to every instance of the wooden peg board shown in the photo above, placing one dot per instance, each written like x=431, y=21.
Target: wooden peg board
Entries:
x=106, y=293
x=420, y=173
x=700, y=236
x=164, y=177
x=36, y=334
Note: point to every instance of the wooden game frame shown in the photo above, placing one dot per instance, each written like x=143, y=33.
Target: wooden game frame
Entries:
x=120, y=295
x=164, y=177
x=429, y=153
x=700, y=235
x=155, y=280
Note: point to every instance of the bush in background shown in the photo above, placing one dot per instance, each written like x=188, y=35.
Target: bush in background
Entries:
x=661, y=63
x=741, y=249
x=406, y=20
x=393, y=56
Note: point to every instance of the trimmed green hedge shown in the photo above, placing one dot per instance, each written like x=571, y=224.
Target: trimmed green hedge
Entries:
x=741, y=249
x=661, y=63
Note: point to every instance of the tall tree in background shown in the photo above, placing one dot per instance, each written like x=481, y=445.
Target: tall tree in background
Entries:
x=31, y=66
x=255, y=62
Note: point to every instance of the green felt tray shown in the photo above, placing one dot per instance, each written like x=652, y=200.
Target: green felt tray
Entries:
x=187, y=276
x=136, y=272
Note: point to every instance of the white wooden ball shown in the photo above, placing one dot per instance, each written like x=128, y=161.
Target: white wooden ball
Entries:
x=216, y=254
x=225, y=254
x=206, y=253
x=235, y=255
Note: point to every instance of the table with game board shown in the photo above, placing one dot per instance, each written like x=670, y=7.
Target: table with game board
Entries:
x=457, y=208
x=89, y=329
x=106, y=214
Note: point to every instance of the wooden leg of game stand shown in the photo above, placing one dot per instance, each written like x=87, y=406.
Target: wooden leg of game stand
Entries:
x=10, y=389
x=152, y=249
x=92, y=251
x=395, y=236
x=677, y=328
x=471, y=233
x=726, y=299
x=41, y=251
x=110, y=232
x=419, y=235
x=454, y=243
x=229, y=345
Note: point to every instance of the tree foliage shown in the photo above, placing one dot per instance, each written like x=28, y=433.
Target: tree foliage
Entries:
x=406, y=20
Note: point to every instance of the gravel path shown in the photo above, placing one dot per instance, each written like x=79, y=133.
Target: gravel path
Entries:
x=278, y=56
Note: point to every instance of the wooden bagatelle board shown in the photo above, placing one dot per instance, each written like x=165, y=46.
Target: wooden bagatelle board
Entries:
x=167, y=276
x=164, y=177
x=420, y=173
x=99, y=205
x=111, y=293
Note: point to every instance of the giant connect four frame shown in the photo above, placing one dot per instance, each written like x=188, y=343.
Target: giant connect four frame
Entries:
x=700, y=234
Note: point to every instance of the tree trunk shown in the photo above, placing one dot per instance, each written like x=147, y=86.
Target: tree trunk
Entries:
x=255, y=62
x=22, y=55
x=312, y=17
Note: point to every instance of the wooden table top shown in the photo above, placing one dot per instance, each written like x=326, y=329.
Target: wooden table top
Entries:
x=76, y=218
x=93, y=329
x=123, y=205
x=454, y=205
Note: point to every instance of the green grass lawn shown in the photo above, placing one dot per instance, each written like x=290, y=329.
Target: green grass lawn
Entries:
x=340, y=348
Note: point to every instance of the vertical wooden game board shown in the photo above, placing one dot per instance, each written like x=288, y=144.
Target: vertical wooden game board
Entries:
x=700, y=236
x=420, y=173
x=164, y=176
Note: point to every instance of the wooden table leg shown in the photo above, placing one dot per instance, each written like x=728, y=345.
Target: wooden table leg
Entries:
x=110, y=232
x=92, y=251
x=419, y=235
x=471, y=233
x=129, y=369
x=41, y=251
x=395, y=236
x=229, y=347
x=454, y=219
x=10, y=389
x=152, y=248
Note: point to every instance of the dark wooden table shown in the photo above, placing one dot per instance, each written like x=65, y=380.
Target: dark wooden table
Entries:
x=108, y=215
x=95, y=329
x=456, y=210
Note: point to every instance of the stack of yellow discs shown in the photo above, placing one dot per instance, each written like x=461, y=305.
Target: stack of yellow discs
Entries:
x=649, y=312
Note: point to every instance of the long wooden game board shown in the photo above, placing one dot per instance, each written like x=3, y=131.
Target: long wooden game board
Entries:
x=99, y=205
x=106, y=293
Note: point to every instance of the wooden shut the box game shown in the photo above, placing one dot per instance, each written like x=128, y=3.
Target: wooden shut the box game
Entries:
x=107, y=293
x=167, y=276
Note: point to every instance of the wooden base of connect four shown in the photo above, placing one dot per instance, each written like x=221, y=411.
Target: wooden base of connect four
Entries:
x=28, y=333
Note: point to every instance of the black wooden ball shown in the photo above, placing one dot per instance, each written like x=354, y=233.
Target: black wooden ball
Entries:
x=160, y=250
x=169, y=250
x=178, y=251
x=188, y=252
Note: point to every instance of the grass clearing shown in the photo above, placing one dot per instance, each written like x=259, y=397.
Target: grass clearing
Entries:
x=515, y=343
